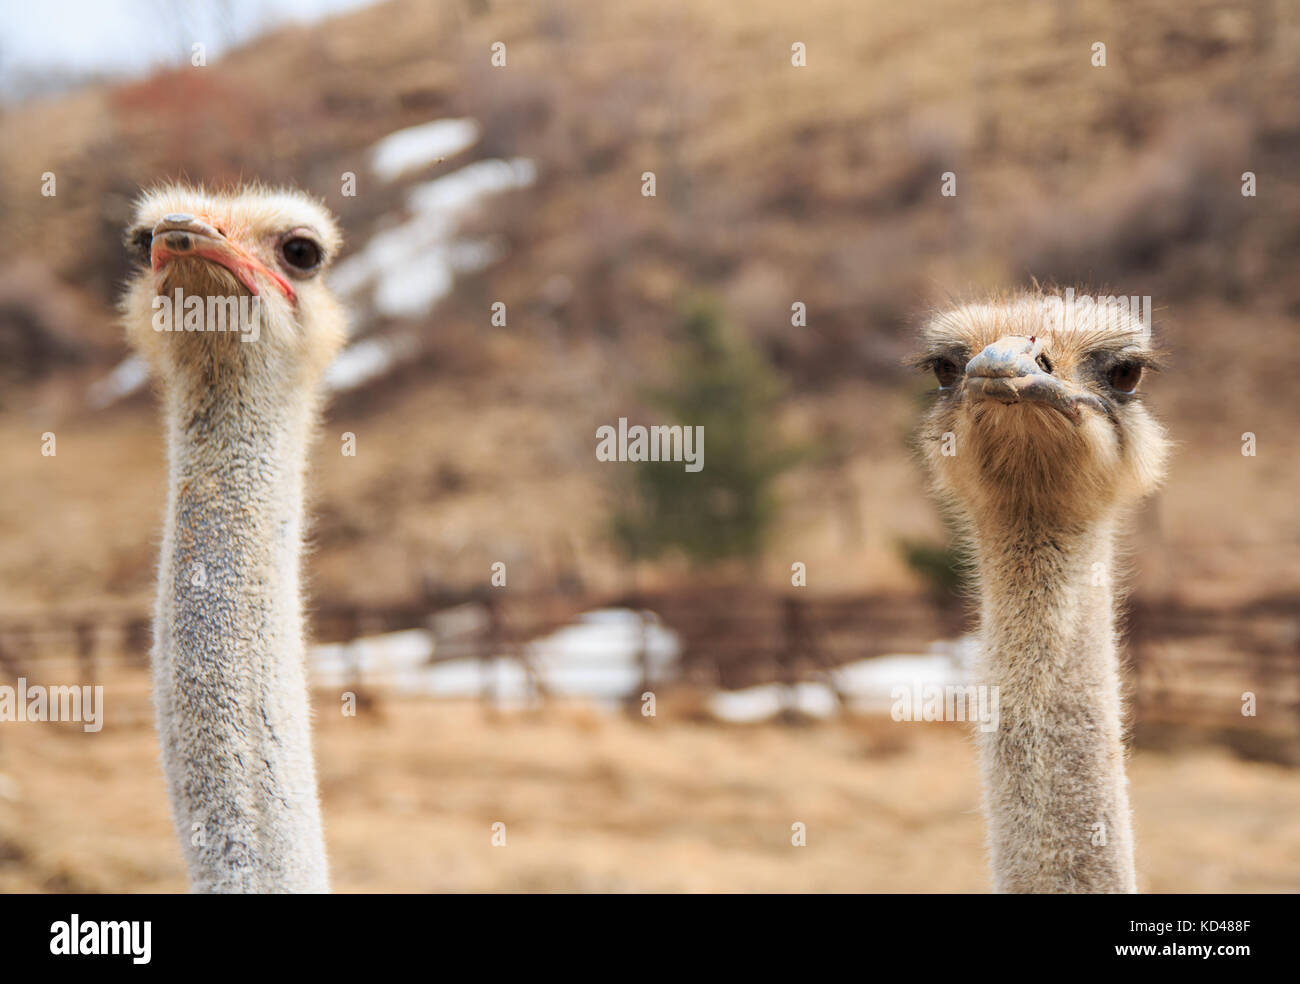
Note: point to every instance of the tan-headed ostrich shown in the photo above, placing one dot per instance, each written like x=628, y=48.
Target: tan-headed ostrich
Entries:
x=240, y=371
x=1040, y=444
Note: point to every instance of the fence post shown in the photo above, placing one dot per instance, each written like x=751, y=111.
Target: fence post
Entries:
x=642, y=657
x=488, y=655
x=354, y=630
x=87, y=670
x=787, y=655
x=139, y=642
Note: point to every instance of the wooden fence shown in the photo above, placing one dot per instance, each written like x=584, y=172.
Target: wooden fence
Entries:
x=1188, y=666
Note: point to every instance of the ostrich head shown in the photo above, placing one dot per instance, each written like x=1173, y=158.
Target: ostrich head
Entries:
x=264, y=249
x=1039, y=415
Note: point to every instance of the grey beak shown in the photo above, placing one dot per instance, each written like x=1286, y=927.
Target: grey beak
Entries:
x=1008, y=372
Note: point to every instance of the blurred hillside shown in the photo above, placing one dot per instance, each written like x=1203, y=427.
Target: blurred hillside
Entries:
x=775, y=185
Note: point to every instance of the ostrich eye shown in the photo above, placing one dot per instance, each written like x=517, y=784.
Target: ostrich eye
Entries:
x=946, y=371
x=140, y=243
x=1125, y=376
x=301, y=253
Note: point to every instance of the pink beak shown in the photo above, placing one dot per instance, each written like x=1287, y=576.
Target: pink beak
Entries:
x=178, y=235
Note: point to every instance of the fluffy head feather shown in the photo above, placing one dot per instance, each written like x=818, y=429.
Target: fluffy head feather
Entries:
x=233, y=245
x=1039, y=414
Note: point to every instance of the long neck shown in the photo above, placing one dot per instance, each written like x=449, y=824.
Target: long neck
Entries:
x=231, y=692
x=1056, y=794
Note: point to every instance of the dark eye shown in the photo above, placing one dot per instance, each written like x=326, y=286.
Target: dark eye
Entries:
x=301, y=253
x=946, y=371
x=140, y=243
x=1125, y=376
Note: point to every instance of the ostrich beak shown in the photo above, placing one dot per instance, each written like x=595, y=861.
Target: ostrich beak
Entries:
x=1007, y=371
x=180, y=235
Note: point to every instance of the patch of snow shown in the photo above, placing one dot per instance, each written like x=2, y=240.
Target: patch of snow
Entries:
x=400, y=661
x=506, y=679
x=766, y=701
x=395, y=658
x=411, y=266
x=462, y=190
x=599, y=655
x=458, y=630
x=598, y=658
x=419, y=146
x=963, y=651
x=127, y=377
x=868, y=684
x=365, y=360
x=474, y=255
x=595, y=658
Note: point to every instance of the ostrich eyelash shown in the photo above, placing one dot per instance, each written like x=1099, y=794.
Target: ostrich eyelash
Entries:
x=138, y=243
x=1151, y=361
x=927, y=361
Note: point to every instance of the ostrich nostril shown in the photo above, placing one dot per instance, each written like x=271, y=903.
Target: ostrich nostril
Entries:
x=1044, y=362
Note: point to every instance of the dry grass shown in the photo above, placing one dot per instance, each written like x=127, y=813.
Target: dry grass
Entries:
x=595, y=802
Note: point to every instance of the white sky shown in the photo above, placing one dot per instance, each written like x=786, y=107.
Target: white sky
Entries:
x=48, y=44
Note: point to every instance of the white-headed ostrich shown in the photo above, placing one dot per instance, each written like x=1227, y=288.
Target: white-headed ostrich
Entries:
x=1040, y=444
x=239, y=409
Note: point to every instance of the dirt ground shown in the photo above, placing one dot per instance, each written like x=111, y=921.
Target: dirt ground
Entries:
x=596, y=802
